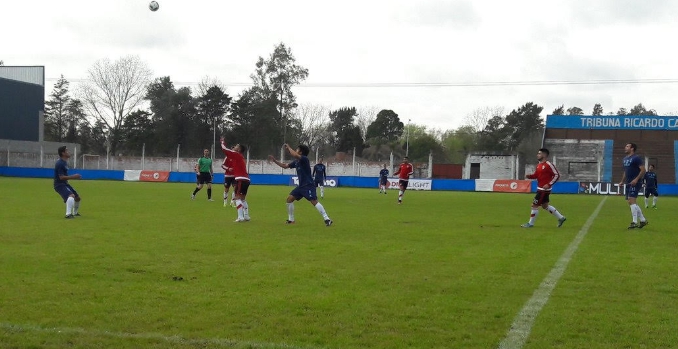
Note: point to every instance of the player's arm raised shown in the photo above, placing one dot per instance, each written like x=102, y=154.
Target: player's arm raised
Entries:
x=281, y=164
x=292, y=152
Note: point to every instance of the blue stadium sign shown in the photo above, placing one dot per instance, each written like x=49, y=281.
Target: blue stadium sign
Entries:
x=612, y=122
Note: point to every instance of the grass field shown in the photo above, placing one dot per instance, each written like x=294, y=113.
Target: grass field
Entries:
x=146, y=267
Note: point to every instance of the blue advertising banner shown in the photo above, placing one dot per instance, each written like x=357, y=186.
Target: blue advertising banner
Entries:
x=330, y=181
x=612, y=122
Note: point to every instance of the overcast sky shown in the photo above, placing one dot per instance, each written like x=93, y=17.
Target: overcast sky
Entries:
x=431, y=61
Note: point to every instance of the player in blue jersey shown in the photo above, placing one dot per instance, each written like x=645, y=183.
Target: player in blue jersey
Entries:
x=319, y=176
x=383, y=179
x=61, y=186
x=634, y=170
x=306, y=187
x=650, y=184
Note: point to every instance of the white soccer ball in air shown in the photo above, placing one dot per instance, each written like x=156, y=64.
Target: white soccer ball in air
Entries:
x=153, y=6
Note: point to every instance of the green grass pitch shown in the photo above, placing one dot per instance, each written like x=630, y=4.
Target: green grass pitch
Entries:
x=146, y=267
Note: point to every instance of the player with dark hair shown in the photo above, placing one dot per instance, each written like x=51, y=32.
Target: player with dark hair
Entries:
x=546, y=175
x=242, y=178
x=634, y=171
x=383, y=179
x=650, y=184
x=229, y=180
x=404, y=172
x=305, y=188
x=61, y=186
x=205, y=175
x=319, y=176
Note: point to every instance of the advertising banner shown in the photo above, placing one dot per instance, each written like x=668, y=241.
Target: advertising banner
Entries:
x=413, y=184
x=329, y=181
x=512, y=186
x=612, y=122
x=604, y=188
x=132, y=175
x=154, y=176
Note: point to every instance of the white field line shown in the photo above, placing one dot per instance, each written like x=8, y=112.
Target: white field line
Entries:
x=522, y=324
x=222, y=342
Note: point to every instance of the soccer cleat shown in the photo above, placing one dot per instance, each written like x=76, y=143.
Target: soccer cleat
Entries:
x=247, y=218
x=632, y=226
x=210, y=199
x=192, y=197
x=328, y=222
x=561, y=221
x=400, y=202
x=527, y=225
x=239, y=220
x=289, y=222
x=77, y=215
x=645, y=206
x=654, y=207
x=642, y=224
x=69, y=216
x=225, y=204
x=232, y=203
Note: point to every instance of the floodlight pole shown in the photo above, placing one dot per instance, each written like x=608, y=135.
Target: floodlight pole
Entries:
x=407, y=139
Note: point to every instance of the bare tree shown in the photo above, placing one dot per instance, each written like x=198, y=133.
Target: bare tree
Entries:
x=112, y=91
x=365, y=117
x=207, y=82
x=479, y=118
x=314, y=119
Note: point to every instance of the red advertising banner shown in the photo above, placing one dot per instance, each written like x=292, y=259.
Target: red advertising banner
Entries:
x=512, y=186
x=154, y=176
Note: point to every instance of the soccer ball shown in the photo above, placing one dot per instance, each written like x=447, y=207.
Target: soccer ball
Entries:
x=153, y=6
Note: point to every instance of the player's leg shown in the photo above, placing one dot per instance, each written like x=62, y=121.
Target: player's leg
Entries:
x=322, y=190
x=639, y=220
x=403, y=187
x=209, y=188
x=226, y=189
x=647, y=196
x=295, y=195
x=243, y=196
x=198, y=187
x=534, y=209
x=655, y=195
x=552, y=210
x=311, y=197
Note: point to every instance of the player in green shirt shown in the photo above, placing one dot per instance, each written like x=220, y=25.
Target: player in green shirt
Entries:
x=205, y=175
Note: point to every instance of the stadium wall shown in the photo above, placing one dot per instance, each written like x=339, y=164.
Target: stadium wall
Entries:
x=598, y=188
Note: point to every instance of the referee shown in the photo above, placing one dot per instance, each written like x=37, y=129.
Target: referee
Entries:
x=204, y=175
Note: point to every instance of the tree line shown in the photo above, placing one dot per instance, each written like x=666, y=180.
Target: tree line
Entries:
x=121, y=109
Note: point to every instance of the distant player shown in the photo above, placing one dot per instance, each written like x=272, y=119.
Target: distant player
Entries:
x=634, y=170
x=319, y=176
x=650, y=184
x=403, y=172
x=229, y=180
x=546, y=175
x=383, y=179
x=61, y=186
x=242, y=178
x=305, y=188
x=204, y=175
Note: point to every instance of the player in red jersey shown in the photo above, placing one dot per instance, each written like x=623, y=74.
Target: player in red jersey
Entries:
x=546, y=175
x=242, y=178
x=404, y=172
x=229, y=180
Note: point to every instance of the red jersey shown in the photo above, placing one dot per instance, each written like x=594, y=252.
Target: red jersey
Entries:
x=405, y=171
x=545, y=173
x=238, y=163
x=227, y=165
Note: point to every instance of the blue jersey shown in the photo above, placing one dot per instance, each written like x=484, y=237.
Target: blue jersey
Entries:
x=632, y=165
x=383, y=173
x=319, y=172
x=303, y=167
x=60, y=169
x=650, y=180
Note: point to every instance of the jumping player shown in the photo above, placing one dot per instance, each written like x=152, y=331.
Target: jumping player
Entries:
x=242, y=178
x=305, y=188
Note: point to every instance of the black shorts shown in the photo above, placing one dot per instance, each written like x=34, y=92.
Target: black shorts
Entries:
x=204, y=178
x=229, y=181
x=319, y=182
x=651, y=191
x=240, y=187
x=403, y=183
x=542, y=197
